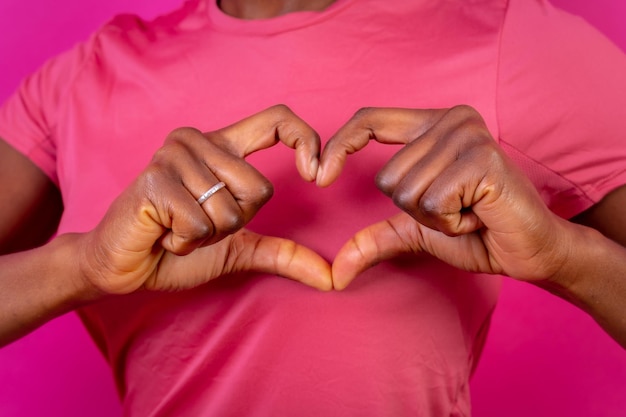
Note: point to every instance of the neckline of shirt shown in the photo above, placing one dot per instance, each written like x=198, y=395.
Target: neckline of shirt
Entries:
x=283, y=23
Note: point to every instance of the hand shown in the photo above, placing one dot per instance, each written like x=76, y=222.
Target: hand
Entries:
x=464, y=201
x=157, y=236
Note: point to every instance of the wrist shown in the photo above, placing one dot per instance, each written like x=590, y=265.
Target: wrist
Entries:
x=580, y=278
x=64, y=252
x=593, y=279
x=40, y=284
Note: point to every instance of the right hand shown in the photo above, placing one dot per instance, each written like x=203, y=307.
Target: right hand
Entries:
x=156, y=236
x=463, y=200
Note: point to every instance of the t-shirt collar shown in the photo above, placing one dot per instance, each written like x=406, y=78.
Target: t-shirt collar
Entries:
x=284, y=23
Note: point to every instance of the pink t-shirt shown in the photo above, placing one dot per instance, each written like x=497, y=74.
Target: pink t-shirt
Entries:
x=404, y=338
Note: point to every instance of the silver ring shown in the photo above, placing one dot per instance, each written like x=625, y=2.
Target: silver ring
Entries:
x=204, y=197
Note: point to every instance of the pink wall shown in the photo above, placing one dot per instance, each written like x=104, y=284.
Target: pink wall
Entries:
x=544, y=358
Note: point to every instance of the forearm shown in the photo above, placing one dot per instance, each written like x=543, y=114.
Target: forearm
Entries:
x=39, y=285
x=594, y=279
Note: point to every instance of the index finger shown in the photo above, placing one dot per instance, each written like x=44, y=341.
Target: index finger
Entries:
x=268, y=127
x=384, y=125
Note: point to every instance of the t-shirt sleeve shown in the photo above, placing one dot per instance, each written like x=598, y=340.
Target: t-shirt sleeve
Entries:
x=29, y=116
x=562, y=105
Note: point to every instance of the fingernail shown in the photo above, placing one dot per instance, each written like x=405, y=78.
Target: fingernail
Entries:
x=320, y=177
x=313, y=167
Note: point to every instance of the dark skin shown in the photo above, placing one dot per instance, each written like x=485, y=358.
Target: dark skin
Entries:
x=489, y=219
x=265, y=9
x=32, y=213
x=466, y=203
x=140, y=243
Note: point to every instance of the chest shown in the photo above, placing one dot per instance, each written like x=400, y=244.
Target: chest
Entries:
x=120, y=114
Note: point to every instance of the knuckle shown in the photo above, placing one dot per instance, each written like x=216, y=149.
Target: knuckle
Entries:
x=430, y=207
x=486, y=154
x=364, y=116
x=194, y=230
x=252, y=199
x=183, y=243
x=153, y=176
x=365, y=119
x=363, y=113
x=496, y=159
x=405, y=200
x=288, y=126
x=202, y=230
x=464, y=110
x=182, y=134
x=468, y=129
x=169, y=153
x=469, y=118
x=293, y=134
x=231, y=223
x=265, y=191
x=384, y=183
x=160, y=155
x=280, y=111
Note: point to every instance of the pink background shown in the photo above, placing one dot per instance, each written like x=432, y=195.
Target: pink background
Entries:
x=543, y=357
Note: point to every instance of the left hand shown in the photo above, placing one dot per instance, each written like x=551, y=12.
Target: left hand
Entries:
x=464, y=201
x=157, y=235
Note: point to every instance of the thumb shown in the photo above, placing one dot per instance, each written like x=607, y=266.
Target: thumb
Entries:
x=251, y=251
x=376, y=243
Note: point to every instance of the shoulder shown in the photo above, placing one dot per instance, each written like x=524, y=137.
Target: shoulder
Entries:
x=129, y=31
x=561, y=103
